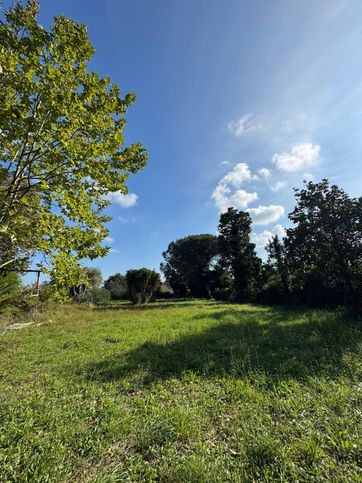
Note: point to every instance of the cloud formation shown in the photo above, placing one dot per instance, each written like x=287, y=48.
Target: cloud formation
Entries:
x=245, y=124
x=126, y=201
x=263, y=215
x=298, y=157
x=278, y=186
x=261, y=239
x=228, y=192
x=239, y=174
x=224, y=197
x=265, y=173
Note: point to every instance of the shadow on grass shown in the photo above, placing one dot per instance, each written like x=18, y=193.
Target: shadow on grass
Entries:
x=281, y=343
x=177, y=304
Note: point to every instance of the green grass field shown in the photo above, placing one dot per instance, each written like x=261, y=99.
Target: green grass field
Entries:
x=182, y=392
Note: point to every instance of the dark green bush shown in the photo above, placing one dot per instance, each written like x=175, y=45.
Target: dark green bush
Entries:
x=272, y=292
x=142, y=285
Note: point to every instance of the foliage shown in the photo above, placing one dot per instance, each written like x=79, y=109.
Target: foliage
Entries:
x=165, y=291
x=277, y=259
x=182, y=392
x=92, y=280
x=188, y=265
x=142, y=284
x=272, y=292
x=326, y=242
x=237, y=253
x=94, y=275
x=10, y=288
x=100, y=296
x=61, y=150
x=117, y=285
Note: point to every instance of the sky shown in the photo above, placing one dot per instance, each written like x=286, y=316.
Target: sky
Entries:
x=238, y=102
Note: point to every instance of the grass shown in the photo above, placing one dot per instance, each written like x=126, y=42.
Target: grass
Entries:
x=182, y=392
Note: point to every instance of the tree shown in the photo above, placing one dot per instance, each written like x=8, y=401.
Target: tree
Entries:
x=277, y=259
x=142, y=284
x=188, y=264
x=92, y=281
x=117, y=285
x=61, y=150
x=237, y=253
x=325, y=245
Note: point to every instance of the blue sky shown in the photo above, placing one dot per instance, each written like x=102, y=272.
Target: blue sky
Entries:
x=237, y=102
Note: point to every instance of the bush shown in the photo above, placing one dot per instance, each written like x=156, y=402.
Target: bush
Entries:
x=100, y=296
x=142, y=285
x=10, y=288
x=272, y=292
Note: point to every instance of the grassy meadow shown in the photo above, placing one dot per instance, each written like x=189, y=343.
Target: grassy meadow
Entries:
x=194, y=391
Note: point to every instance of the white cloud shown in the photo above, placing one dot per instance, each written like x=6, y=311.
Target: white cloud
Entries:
x=265, y=173
x=125, y=201
x=299, y=156
x=224, y=198
x=228, y=192
x=278, y=186
x=225, y=163
x=239, y=174
x=113, y=250
x=245, y=124
x=109, y=239
x=261, y=239
x=263, y=215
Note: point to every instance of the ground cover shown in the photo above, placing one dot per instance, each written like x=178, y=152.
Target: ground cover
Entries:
x=191, y=391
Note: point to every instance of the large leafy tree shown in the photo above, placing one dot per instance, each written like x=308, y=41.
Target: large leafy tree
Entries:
x=277, y=259
x=188, y=265
x=61, y=144
x=325, y=243
x=237, y=252
x=117, y=285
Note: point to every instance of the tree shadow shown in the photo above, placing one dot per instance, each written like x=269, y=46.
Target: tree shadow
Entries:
x=279, y=342
x=159, y=305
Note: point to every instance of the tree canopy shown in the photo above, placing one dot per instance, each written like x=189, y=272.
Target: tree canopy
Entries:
x=117, y=285
x=324, y=246
x=188, y=264
x=237, y=252
x=61, y=144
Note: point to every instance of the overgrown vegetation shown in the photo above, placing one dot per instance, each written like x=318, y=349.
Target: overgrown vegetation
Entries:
x=181, y=392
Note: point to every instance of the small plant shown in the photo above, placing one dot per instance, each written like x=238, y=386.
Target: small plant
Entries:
x=142, y=284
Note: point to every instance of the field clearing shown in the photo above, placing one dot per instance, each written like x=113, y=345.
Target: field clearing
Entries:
x=195, y=391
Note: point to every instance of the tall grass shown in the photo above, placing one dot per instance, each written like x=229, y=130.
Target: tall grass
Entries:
x=182, y=392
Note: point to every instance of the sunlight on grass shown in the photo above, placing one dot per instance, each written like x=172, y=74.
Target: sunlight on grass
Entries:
x=187, y=391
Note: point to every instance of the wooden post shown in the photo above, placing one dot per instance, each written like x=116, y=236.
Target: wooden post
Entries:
x=38, y=283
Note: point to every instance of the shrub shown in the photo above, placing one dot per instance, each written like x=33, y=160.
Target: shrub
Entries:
x=10, y=288
x=272, y=292
x=100, y=296
x=142, y=285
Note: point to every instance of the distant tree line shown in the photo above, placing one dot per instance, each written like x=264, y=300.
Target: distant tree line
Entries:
x=318, y=262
